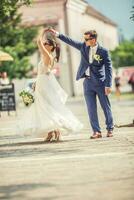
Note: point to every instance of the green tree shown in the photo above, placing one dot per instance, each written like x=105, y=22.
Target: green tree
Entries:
x=123, y=55
x=18, y=41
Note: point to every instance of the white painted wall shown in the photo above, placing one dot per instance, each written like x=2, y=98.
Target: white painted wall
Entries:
x=48, y=12
x=78, y=24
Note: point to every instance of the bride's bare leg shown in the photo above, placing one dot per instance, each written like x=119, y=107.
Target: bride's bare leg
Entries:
x=57, y=135
x=49, y=136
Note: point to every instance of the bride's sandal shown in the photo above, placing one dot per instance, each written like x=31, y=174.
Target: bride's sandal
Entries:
x=49, y=137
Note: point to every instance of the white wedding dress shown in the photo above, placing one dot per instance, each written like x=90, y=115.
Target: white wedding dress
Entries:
x=48, y=112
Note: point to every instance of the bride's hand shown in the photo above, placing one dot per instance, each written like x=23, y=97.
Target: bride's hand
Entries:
x=43, y=34
x=50, y=30
x=33, y=86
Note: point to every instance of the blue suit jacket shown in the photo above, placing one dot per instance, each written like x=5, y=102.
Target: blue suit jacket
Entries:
x=100, y=72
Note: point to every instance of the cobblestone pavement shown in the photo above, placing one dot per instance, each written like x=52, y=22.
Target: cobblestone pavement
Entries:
x=76, y=168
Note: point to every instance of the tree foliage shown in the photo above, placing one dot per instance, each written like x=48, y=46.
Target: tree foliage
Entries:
x=123, y=55
x=18, y=41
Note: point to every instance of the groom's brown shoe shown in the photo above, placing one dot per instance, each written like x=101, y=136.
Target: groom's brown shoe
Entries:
x=110, y=134
x=96, y=135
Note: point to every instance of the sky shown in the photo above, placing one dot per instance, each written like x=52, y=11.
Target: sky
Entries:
x=118, y=11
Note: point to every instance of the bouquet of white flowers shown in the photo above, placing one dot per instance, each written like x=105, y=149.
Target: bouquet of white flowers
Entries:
x=27, y=94
x=27, y=97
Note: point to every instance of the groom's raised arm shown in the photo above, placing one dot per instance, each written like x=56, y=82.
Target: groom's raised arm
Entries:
x=66, y=39
x=69, y=41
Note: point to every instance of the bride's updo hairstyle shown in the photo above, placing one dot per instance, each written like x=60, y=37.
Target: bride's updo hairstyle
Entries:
x=55, y=47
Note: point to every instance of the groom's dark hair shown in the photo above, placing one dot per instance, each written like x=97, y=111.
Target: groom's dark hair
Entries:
x=91, y=33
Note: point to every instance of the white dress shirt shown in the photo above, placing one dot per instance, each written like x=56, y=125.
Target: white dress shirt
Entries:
x=92, y=52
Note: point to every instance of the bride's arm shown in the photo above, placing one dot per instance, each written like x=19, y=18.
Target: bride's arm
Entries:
x=42, y=49
x=45, y=55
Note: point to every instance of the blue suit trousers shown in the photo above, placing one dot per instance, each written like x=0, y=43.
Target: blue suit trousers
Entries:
x=90, y=92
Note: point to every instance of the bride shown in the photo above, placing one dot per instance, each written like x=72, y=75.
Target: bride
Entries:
x=48, y=115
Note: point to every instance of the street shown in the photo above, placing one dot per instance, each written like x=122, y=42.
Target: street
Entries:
x=77, y=168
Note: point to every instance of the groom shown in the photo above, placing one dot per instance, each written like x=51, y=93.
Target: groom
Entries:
x=96, y=69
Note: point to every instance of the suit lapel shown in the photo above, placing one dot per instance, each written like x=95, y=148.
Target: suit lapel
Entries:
x=98, y=51
x=85, y=53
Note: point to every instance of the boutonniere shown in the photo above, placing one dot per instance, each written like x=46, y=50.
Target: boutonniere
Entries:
x=97, y=58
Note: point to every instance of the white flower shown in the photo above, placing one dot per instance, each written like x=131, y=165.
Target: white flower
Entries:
x=97, y=57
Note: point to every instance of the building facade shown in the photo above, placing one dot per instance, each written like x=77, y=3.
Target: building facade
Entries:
x=73, y=18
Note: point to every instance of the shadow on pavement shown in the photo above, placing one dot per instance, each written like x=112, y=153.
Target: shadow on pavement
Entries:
x=38, y=143
x=20, y=191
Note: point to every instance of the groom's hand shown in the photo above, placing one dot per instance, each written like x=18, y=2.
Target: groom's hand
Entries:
x=107, y=90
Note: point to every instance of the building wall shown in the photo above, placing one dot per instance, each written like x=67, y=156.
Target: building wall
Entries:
x=79, y=22
x=73, y=21
x=50, y=13
x=42, y=12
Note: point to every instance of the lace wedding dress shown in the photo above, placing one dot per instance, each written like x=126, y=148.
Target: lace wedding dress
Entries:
x=48, y=112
